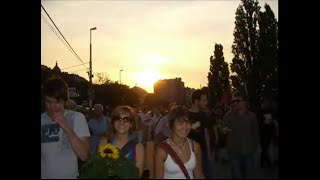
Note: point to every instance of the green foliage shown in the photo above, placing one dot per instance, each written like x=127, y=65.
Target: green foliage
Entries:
x=152, y=100
x=106, y=92
x=114, y=94
x=218, y=77
x=108, y=168
x=255, y=49
x=268, y=56
x=102, y=78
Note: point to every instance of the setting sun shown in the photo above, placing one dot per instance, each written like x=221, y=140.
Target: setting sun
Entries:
x=147, y=78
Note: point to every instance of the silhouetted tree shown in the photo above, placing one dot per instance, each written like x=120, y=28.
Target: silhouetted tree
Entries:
x=111, y=94
x=218, y=76
x=152, y=100
x=245, y=49
x=130, y=98
x=102, y=78
x=268, y=52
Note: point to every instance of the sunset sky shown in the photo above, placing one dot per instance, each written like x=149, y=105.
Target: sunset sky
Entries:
x=148, y=40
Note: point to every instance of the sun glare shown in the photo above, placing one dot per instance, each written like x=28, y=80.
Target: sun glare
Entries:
x=155, y=60
x=147, y=78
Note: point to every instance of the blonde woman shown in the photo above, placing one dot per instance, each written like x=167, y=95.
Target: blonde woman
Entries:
x=187, y=150
x=121, y=128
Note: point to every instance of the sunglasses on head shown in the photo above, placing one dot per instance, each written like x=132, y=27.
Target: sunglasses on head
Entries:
x=123, y=119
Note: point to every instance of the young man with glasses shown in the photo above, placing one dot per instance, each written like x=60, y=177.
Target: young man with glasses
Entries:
x=243, y=140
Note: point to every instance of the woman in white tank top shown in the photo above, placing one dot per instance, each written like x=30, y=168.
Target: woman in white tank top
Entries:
x=188, y=150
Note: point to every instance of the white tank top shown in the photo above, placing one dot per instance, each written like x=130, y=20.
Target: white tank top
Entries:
x=173, y=171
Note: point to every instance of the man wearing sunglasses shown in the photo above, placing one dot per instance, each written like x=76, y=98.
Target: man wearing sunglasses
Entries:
x=243, y=139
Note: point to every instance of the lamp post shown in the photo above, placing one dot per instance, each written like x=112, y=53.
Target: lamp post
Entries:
x=120, y=74
x=90, y=72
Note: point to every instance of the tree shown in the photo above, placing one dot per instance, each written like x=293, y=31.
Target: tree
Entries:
x=245, y=49
x=130, y=98
x=152, y=100
x=255, y=49
x=102, y=78
x=236, y=84
x=268, y=52
x=111, y=94
x=218, y=77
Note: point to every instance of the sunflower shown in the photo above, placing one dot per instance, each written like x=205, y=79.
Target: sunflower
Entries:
x=109, y=150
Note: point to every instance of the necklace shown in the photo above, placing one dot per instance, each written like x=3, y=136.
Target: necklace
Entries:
x=180, y=147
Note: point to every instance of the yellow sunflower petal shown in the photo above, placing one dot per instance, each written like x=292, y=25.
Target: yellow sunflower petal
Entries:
x=115, y=156
x=103, y=155
x=101, y=151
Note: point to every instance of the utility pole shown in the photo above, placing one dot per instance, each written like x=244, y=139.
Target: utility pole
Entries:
x=90, y=72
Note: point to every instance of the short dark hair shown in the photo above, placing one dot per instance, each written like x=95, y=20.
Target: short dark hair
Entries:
x=242, y=95
x=196, y=94
x=56, y=88
x=177, y=113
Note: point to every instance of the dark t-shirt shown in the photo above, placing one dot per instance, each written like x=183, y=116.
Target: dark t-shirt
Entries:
x=267, y=129
x=197, y=133
x=221, y=137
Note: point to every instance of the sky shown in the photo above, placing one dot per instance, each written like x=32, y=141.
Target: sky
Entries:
x=148, y=40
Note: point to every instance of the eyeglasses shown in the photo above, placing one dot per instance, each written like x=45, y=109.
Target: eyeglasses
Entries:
x=122, y=119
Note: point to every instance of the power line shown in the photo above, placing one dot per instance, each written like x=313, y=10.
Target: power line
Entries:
x=65, y=39
x=77, y=70
x=55, y=32
x=62, y=34
x=74, y=66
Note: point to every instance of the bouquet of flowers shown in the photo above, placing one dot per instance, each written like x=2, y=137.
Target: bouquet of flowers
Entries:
x=108, y=163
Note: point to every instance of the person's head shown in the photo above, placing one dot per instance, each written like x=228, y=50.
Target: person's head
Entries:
x=156, y=110
x=136, y=109
x=123, y=120
x=199, y=98
x=218, y=110
x=98, y=110
x=70, y=105
x=265, y=104
x=178, y=122
x=144, y=109
x=56, y=93
x=239, y=102
x=172, y=106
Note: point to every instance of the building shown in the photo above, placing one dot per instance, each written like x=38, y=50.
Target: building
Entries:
x=171, y=90
x=56, y=70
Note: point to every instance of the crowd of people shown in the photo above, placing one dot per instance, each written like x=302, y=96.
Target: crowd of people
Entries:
x=165, y=142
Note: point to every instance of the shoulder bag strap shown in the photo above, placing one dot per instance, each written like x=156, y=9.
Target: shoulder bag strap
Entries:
x=165, y=146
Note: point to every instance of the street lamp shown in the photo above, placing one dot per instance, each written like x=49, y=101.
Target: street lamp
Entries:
x=90, y=72
x=120, y=74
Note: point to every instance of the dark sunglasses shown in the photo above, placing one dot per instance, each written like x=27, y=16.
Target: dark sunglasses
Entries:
x=123, y=119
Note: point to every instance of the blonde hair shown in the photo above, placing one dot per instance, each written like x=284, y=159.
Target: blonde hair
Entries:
x=120, y=110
